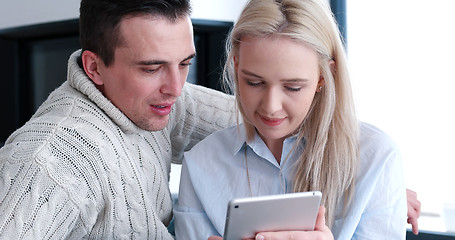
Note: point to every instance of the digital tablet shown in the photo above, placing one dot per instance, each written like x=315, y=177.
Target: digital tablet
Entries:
x=284, y=212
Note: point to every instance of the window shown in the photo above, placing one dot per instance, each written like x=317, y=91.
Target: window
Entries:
x=402, y=57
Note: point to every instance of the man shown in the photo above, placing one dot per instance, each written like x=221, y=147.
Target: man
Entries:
x=94, y=160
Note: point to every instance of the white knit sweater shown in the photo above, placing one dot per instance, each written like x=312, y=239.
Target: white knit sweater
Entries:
x=81, y=169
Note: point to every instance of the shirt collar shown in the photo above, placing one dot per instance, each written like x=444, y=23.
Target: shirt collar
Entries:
x=238, y=144
x=258, y=145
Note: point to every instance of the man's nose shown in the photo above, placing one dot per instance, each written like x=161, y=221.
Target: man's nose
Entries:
x=173, y=83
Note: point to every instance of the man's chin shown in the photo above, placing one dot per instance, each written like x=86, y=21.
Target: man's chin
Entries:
x=156, y=125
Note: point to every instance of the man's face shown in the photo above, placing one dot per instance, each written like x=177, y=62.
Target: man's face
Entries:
x=149, y=69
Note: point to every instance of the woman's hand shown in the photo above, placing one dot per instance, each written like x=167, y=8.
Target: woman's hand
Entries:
x=321, y=231
x=215, y=238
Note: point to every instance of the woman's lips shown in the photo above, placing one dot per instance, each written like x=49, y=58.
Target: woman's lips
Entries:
x=272, y=121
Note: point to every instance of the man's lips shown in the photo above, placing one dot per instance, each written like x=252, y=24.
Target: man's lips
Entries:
x=162, y=109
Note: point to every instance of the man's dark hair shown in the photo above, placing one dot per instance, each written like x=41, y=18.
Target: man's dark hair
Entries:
x=99, y=21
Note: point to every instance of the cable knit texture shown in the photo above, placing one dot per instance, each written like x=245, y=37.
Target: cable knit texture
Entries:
x=80, y=169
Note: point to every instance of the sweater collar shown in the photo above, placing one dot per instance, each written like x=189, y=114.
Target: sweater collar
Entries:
x=80, y=81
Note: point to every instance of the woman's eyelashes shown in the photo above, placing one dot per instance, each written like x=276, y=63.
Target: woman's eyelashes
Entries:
x=294, y=89
x=254, y=83
x=261, y=83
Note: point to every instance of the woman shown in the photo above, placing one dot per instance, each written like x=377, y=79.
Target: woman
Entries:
x=286, y=65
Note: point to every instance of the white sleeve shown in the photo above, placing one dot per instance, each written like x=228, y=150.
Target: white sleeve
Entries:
x=385, y=214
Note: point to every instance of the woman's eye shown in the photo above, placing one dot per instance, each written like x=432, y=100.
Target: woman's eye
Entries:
x=294, y=89
x=253, y=83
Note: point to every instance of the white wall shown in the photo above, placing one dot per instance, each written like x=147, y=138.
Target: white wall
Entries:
x=14, y=13
x=401, y=68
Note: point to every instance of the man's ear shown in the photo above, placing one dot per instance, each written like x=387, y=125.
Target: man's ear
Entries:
x=91, y=63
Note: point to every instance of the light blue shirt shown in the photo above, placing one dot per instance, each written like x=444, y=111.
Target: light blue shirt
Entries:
x=214, y=172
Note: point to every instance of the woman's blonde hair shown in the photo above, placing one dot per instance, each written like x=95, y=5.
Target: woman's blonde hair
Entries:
x=330, y=129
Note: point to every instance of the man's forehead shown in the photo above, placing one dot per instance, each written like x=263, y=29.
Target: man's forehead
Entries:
x=153, y=40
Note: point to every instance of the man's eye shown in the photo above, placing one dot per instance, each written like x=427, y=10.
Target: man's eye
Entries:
x=150, y=70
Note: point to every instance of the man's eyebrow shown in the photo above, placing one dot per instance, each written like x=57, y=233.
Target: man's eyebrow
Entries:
x=189, y=57
x=151, y=62
x=159, y=62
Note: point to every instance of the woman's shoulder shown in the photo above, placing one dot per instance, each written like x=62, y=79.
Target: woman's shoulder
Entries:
x=372, y=137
